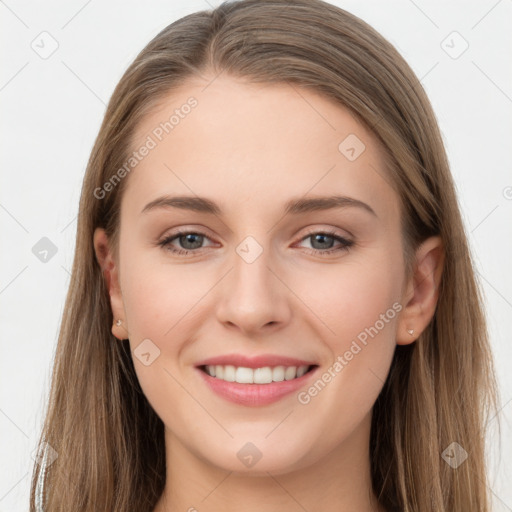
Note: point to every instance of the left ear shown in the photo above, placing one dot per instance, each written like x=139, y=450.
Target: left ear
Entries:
x=422, y=291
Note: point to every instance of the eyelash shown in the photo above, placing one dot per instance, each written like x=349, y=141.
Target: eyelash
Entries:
x=346, y=244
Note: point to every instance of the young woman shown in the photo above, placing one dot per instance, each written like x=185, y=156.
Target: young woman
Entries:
x=272, y=303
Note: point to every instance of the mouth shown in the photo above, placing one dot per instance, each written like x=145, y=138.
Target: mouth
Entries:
x=257, y=386
x=262, y=375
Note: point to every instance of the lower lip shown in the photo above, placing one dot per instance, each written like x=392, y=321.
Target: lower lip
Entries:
x=254, y=394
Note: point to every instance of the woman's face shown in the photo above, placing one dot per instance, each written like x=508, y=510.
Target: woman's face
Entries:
x=266, y=282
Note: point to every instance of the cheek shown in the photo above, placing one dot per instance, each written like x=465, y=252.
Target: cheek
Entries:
x=159, y=302
x=358, y=305
x=158, y=296
x=353, y=295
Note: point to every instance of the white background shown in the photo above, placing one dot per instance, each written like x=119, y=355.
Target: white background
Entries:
x=51, y=112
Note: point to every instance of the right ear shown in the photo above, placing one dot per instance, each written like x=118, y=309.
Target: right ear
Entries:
x=106, y=260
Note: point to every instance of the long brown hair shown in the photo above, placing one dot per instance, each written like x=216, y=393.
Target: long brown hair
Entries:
x=441, y=389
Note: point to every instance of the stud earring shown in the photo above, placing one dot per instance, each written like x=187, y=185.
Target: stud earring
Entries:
x=411, y=331
x=119, y=322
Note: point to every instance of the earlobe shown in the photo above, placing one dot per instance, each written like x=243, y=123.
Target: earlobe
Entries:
x=422, y=291
x=109, y=268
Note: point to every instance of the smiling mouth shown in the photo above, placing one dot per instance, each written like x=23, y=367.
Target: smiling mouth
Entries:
x=263, y=375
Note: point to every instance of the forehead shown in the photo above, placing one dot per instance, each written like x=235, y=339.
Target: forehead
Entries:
x=255, y=145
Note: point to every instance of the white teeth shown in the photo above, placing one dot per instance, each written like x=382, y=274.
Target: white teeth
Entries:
x=263, y=375
x=290, y=373
x=278, y=374
x=244, y=375
x=301, y=370
x=229, y=373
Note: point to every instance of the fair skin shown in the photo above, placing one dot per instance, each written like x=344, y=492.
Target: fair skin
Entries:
x=250, y=149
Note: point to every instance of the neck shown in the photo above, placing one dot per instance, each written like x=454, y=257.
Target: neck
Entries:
x=340, y=481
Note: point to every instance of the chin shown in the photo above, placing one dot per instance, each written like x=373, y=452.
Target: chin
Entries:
x=260, y=457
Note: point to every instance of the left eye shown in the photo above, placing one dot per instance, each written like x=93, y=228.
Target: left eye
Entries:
x=321, y=237
x=192, y=240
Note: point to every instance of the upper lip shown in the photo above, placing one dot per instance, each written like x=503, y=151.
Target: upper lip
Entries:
x=260, y=361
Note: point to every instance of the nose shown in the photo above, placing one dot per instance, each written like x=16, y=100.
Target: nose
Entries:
x=253, y=297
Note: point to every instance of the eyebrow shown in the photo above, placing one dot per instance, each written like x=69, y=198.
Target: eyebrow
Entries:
x=294, y=206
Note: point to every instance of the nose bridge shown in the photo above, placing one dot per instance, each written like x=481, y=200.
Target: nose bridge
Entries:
x=251, y=265
x=252, y=279
x=252, y=296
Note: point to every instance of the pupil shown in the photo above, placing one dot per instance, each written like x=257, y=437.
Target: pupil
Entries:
x=321, y=237
x=190, y=238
